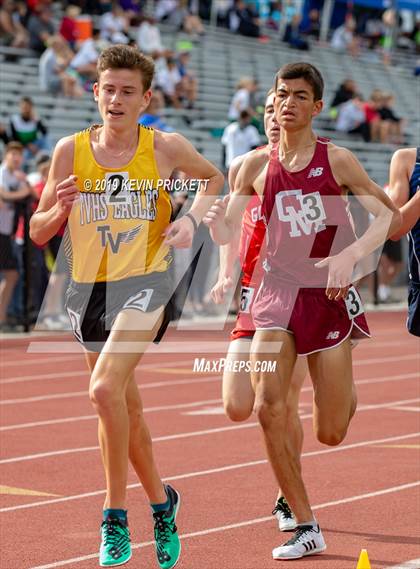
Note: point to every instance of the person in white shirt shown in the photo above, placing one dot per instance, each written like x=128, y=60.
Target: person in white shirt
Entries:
x=239, y=137
x=241, y=100
x=169, y=80
x=114, y=25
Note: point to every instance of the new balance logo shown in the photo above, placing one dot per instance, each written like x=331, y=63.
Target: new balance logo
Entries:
x=309, y=545
x=333, y=335
x=122, y=237
x=315, y=172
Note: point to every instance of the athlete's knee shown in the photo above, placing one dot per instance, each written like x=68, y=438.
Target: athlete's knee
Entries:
x=235, y=412
x=270, y=412
x=104, y=395
x=331, y=435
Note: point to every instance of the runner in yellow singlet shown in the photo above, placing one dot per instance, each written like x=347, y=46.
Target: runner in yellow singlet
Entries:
x=109, y=182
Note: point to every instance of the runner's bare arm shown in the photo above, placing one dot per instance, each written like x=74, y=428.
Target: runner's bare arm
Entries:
x=402, y=164
x=351, y=176
x=58, y=196
x=223, y=231
x=181, y=155
x=410, y=213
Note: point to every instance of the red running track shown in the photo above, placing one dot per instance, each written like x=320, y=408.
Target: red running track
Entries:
x=365, y=492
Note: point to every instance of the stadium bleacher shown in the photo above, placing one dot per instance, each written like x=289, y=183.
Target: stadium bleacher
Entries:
x=218, y=61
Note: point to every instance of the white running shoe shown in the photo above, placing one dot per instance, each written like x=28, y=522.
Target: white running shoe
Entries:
x=284, y=515
x=308, y=540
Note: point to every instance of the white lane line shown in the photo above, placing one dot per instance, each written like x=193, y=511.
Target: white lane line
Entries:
x=245, y=523
x=412, y=564
x=63, y=375
x=48, y=454
x=89, y=417
x=401, y=377
x=70, y=394
x=412, y=409
x=227, y=468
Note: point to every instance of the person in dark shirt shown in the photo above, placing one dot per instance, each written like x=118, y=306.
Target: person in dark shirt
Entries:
x=25, y=127
x=40, y=28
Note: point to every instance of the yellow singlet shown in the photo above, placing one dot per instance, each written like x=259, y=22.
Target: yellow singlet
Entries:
x=115, y=229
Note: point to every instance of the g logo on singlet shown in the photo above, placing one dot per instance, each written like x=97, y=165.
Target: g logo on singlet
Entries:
x=304, y=212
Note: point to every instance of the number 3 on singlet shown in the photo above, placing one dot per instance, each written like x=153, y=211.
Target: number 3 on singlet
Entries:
x=247, y=294
x=353, y=303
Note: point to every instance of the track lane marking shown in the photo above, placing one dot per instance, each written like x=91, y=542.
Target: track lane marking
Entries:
x=374, y=380
x=226, y=468
x=237, y=525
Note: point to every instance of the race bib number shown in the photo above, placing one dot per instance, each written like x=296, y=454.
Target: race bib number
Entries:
x=247, y=294
x=353, y=303
x=140, y=300
x=117, y=188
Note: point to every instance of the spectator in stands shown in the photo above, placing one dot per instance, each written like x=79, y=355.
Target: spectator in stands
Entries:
x=243, y=20
x=344, y=38
x=239, y=138
x=241, y=100
x=312, y=25
x=12, y=32
x=378, y=132
x=392, y=124
x=25, y=127
x=165, y=10
x=133, y=10
x=344, y=93
x=68, y=25
x=40, y=28
x=114, y=25
x=28, y=129
x=149, y=39
x=13, y=188
x=190, y=21
x=53, y=66
x=152, y=117
x=352, y=118
x=293, y=36
x=169, y=80
x=188, y=79
x=83, y=64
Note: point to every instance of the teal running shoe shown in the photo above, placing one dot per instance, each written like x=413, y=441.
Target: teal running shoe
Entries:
x=115, y=543
x=167, y=544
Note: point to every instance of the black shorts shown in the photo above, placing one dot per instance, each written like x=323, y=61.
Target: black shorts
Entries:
x=413, y=320
x=393, y=250
x=93, y=308
x=8, y=261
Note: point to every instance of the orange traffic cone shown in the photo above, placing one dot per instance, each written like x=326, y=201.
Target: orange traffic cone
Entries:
x=363, y=562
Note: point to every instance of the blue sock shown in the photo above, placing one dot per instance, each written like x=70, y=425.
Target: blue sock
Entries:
x=113, y=513
x=162, y=507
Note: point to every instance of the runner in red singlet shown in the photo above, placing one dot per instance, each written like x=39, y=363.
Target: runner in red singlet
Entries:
x=306, y=302
x=238, y=395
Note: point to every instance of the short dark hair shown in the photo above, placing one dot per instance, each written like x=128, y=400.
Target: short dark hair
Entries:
x=27, y=100
x=13, y=145
x=122, y=56
x=305, y=71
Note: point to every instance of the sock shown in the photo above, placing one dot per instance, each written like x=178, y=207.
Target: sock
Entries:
x=114, y=513
x=312, y=523
x=162, y=507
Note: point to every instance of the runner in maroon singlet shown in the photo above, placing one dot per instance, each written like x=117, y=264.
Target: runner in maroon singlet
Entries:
x=306, y=302
x=238, y=395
